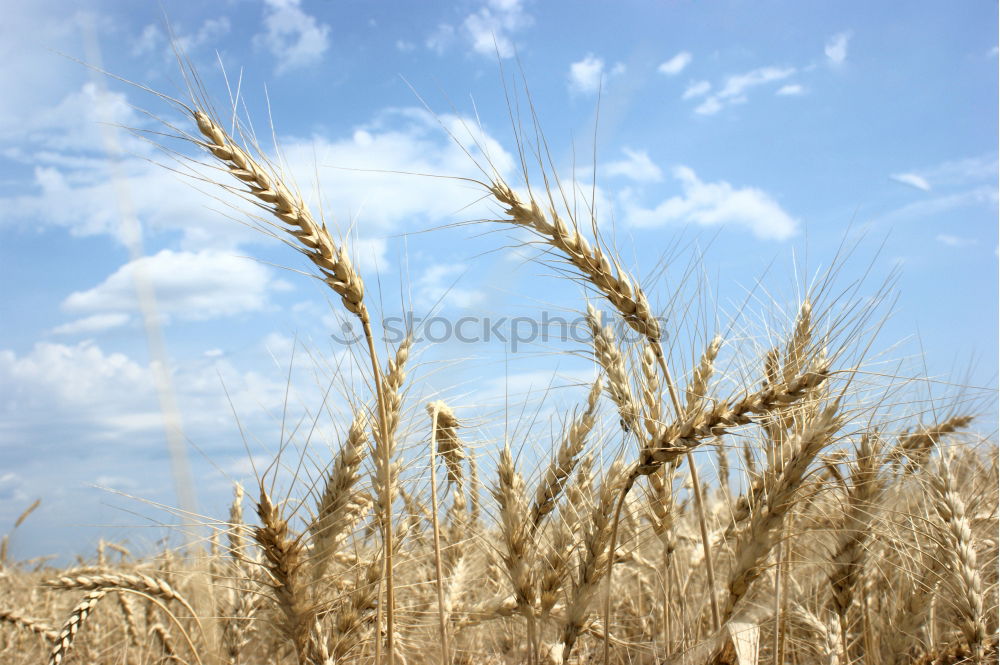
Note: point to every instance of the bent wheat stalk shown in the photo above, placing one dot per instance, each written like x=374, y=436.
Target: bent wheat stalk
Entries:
x=337, y=272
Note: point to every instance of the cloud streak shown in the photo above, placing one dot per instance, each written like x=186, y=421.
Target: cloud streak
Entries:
x=911, y=180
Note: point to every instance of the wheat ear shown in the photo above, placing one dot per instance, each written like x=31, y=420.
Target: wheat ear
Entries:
x=916, y=445
x=609, y=357
x=72, y=625
x=593, y=559
x=764, y=525
x=283, y=557
x=37, y=626
x=680, y=438
x=958, y=532
x=235, y=532
x=147, y=584
x=697, y=390
x=606, y=275
x=335, y=267
x=561, y=468
x=509, y=494
x=338, y=498
x=850, y=549
x=288, y=207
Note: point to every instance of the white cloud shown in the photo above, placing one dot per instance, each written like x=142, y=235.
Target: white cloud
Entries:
x=81, y=193
x=490, y=29
x=75, y=123
x=92, y=324
x=638, y=166
x=718, y=203
x=735, y=88
x=676, y=64
x=107, y=396
x=710, y=106
x=80, y=376
x=188, y=285
x=696, y=89
x=836, y=48
x=737, y=85
x=954, y=241
x=585, y=75
x=790, y=90
x=33, y=77
x=913, y=180
x=439, y=287
x=402, y=140
x=293, y=37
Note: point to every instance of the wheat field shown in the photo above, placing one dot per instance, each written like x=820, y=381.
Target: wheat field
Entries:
x=784, y=510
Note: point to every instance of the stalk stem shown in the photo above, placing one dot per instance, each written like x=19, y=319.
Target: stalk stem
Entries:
x=386, y=462
x=442, y=625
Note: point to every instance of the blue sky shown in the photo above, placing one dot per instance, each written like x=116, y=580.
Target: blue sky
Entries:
x=758, y=134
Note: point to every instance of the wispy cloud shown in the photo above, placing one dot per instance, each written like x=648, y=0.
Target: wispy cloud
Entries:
x=491, y=30
x=636, y=166
x=440, y=286
x=736, y=87
x=791, y=90
x=92, y=324
x=676, y=64
x=836, y=48
x=978, y=196
x=441, y=39
x=964, y=171
x=586, y=75
x=152, y=38
x=710, y=106
x=951, y=175
x=295, y=38
x=911, y=179
x=713, y=204
x=696, y=89
x=954, y=241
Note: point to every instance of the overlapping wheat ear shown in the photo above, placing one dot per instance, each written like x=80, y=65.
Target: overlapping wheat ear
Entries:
x=139, y=582
x=284, y=561
x=601, y=271
x=71, y=627
x=37, y=626
x=336, y=270
x=961, y=548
